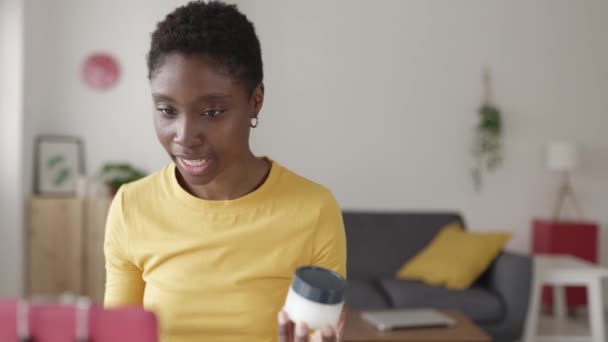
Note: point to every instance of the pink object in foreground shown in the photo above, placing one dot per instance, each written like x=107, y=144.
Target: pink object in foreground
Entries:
x=57, y=323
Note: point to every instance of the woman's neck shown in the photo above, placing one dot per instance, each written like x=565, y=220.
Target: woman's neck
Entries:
x=236, y=181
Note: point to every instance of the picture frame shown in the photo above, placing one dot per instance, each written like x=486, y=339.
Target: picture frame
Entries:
x=59, y=165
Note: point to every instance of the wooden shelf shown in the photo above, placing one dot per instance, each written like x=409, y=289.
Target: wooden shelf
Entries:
x=65, y=246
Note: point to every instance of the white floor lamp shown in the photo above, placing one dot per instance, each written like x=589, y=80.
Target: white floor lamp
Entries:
x=562, y=157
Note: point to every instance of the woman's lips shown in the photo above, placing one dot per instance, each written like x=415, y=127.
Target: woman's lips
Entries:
x=194, y=167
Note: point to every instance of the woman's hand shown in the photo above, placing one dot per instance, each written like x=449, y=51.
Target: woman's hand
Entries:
x=292, y=332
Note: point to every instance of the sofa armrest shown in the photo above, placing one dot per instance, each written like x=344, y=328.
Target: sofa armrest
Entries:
x=510, y=276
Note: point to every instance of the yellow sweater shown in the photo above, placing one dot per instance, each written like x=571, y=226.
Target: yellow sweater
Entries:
x=217, y=270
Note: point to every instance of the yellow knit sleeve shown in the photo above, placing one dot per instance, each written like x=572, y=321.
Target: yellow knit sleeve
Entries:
x=330, y=239
x=124, y=283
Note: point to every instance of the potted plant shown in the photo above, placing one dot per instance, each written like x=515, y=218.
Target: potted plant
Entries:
x=487, y=144
x=114, y=175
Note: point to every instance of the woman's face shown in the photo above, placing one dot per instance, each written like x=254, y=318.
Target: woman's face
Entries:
x=202, y=116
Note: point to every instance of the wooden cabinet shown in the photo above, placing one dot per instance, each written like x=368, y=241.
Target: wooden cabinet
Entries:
x=55, y=246
x=65, y=246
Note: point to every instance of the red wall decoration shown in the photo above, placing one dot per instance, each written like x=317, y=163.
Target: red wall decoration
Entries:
x=101, y=71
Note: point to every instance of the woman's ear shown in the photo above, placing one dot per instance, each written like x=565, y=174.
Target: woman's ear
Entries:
x=257, y=100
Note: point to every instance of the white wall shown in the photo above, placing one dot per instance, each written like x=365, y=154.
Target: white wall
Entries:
x=11, y=144
x=376, y=100
x=115, y=125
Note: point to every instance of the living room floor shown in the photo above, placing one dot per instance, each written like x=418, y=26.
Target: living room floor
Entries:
x=576, y=326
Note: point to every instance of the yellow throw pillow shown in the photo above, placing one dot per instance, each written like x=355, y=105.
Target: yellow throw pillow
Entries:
x=455, y=258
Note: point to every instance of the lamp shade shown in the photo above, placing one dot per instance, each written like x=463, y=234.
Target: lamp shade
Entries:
x=562, y=156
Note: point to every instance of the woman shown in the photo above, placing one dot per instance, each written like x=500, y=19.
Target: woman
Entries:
x=210, y=242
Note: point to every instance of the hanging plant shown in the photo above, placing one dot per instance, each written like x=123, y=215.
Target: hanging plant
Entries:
x=487, y=144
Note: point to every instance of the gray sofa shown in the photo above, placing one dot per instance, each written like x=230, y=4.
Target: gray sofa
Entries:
x=380, y=243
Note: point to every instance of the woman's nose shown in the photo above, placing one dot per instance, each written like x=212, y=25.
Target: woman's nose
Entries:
x=188, y=133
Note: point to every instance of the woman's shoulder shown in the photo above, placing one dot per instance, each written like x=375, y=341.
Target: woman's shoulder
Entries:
x=303, y=187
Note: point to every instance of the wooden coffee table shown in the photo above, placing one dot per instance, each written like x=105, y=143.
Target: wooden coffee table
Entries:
x=358, y=330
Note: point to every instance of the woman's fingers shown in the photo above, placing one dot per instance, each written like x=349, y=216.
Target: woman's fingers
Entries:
x=285, y=328
x=290, y=332
x=301, y=332
x=340, y=328
x=328, y=334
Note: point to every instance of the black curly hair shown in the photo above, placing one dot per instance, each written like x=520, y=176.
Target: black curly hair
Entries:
x=214, y=30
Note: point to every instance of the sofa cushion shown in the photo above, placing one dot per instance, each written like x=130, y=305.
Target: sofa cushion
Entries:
x=477, y=303
x=379, y=243
x=455, y=258
x=365, y=295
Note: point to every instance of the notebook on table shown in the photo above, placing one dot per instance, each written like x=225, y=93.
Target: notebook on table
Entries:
x=402, y=319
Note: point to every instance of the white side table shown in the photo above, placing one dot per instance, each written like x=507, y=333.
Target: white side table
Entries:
x=559, y=271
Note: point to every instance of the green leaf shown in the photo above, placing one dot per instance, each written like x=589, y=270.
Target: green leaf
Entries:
x=55, y=160
x=61, y=177
x=117, y=174
x=487, y=145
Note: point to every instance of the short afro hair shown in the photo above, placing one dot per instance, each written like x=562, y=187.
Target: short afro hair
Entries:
x=210, y=29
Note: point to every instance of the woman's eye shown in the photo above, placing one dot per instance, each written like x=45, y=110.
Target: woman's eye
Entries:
x=167, y=111
x=213, y=113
